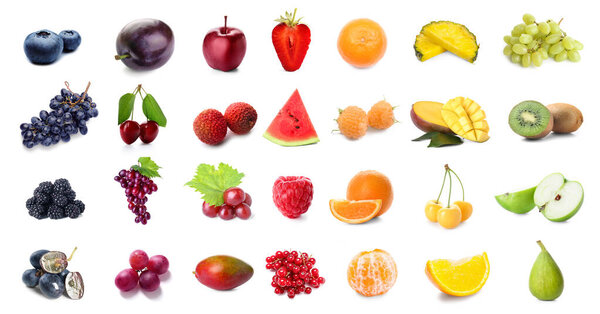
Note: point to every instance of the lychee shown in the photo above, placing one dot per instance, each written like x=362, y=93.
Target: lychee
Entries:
x=210, y=127
x=240, y=117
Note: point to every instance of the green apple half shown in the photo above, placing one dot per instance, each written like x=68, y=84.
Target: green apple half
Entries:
x=558, y=198
x=520, y=202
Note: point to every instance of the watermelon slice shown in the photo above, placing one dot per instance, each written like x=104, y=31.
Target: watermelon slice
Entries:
x=292, y=126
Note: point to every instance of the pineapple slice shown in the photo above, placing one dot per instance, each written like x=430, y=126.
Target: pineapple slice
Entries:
x=425, y=49
x=465, y=118
x=453, y=37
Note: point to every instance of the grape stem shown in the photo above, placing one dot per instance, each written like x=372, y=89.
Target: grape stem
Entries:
x=72, y=253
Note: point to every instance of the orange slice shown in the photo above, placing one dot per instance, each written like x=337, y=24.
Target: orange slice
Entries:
x=355, y=212
x=459, y=278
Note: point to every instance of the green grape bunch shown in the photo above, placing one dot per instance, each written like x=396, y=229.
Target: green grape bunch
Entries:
x=531, y=43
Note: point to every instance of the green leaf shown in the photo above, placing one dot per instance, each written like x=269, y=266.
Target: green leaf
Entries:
x=440, y=139
x=152, y=111
x=213, y=182
x=126, y=106
x=147, y=167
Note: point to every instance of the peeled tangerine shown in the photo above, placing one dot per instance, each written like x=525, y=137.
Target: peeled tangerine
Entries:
x=372, y=273
x=466, y=118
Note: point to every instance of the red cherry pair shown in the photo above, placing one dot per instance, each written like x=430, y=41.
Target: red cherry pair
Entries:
x=131, y=130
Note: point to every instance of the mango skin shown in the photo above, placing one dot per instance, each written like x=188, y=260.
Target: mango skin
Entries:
x=222, y=272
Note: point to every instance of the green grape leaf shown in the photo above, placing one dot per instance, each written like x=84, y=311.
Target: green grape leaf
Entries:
x=126, y=106
x=147, y=167
x=152, y=111
x=212, y=182
x=438, y=139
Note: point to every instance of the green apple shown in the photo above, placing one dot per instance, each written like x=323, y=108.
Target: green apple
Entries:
x=520, y=202
x=558, y=198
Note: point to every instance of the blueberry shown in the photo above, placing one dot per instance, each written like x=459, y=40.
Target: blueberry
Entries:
x=52, y=286
x=43, y=47
x=31, y=278
x=35, y=257
x=71, y=39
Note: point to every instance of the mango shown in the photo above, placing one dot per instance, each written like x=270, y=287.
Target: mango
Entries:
x=466, y=118
x=222, y=272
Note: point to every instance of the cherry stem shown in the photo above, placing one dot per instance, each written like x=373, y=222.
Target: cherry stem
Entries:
x=72, y=253
x=121, y=57
x=461, y=185
x=450, y=189
x=442, y=189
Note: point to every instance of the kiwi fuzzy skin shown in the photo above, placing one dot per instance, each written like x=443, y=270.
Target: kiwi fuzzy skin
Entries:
x=567, y=118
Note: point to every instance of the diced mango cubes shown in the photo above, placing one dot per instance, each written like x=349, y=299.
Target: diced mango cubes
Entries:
x=466, y=118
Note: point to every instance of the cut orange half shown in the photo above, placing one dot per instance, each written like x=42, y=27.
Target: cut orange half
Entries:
x=459, y=278
x=355, y=212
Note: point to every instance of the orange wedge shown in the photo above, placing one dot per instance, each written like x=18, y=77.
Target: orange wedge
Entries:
x=459, y=278
x=355, y=212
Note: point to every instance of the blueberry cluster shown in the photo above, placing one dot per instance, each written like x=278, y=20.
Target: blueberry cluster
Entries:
x=68, y=116
x=55, y=201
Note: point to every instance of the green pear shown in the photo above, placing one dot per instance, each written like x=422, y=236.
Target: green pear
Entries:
x=520, y=202
x=545, y=280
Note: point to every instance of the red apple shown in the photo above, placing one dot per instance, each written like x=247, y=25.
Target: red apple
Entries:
x=224, y=47
x=130, y=131
x=148, y=131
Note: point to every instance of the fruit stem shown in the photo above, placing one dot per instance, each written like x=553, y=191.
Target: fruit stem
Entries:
x=442, y=189
x=450, y=189
x=121, y=57
x=461, y=185
x=294, y=17
x=72, y=253
x=539, y=242
x=225, y=27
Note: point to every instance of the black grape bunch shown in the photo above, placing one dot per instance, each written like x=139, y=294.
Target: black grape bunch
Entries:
x=68, y=116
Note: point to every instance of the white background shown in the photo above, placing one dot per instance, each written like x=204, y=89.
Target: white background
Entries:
x=106, y=233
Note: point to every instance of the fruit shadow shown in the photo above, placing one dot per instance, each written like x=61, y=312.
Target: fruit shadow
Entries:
x=450, y=298
x=150, y=295
x=550, y=137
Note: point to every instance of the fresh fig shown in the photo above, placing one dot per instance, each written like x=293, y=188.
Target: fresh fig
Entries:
x=545, y=280
x=222, y=272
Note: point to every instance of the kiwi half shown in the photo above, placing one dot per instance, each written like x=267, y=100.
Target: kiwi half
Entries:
x=531, y=119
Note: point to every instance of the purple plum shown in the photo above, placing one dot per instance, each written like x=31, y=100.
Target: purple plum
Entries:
x=145, y=44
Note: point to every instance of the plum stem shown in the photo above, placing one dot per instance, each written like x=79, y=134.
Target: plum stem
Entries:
x=121, y=57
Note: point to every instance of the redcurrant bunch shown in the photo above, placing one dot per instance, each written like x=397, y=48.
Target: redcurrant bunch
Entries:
x=295, y=273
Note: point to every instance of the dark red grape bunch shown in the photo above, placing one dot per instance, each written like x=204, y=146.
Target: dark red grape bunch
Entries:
x=55, y=201
x=144, y=271
x=138, y=184
x=294, y=273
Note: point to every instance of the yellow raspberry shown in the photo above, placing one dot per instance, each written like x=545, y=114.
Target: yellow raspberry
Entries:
x=381, y=115
x=352, y=122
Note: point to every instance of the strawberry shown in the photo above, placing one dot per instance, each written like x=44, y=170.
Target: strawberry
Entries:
x=291, y=40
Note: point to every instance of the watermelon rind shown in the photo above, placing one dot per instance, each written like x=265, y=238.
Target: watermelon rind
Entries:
x=277, y=141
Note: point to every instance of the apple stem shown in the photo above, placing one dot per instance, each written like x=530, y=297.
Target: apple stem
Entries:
x=461, y=185
x=442, y=189
x=225, y=27
x=121, y=57
x=539, y=242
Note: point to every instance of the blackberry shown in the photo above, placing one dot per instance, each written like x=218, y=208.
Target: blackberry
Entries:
x=29, y=203
x=70, y=195
x=56, y=212
x=59, y=199
x=72, y=211
x=45, y=187
x=62, y=185
x=41, y=198
x=38, y=211
x=80, y=205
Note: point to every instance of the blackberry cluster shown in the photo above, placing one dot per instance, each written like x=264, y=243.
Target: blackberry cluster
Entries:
x=68, y=116
x=55, y=201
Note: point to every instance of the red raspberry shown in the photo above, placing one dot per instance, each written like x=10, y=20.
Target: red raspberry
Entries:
x=292, y=195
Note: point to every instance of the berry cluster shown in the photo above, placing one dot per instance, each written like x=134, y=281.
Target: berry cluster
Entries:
x=55, y=201
x=144, y=271
x=237, y=204
x=50, y=274
x=137, y=186
x=294, y=273
x=69, y=115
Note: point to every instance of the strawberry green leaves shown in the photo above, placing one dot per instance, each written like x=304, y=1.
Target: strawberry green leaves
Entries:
x=150, y=107
x=212, y=182
x=147, y=167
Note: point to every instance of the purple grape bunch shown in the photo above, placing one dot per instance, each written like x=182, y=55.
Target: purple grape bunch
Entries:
x=137, y=188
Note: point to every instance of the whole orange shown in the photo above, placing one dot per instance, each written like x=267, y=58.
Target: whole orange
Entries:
x=362, y=42
x=371, y=185
x=372, y=273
